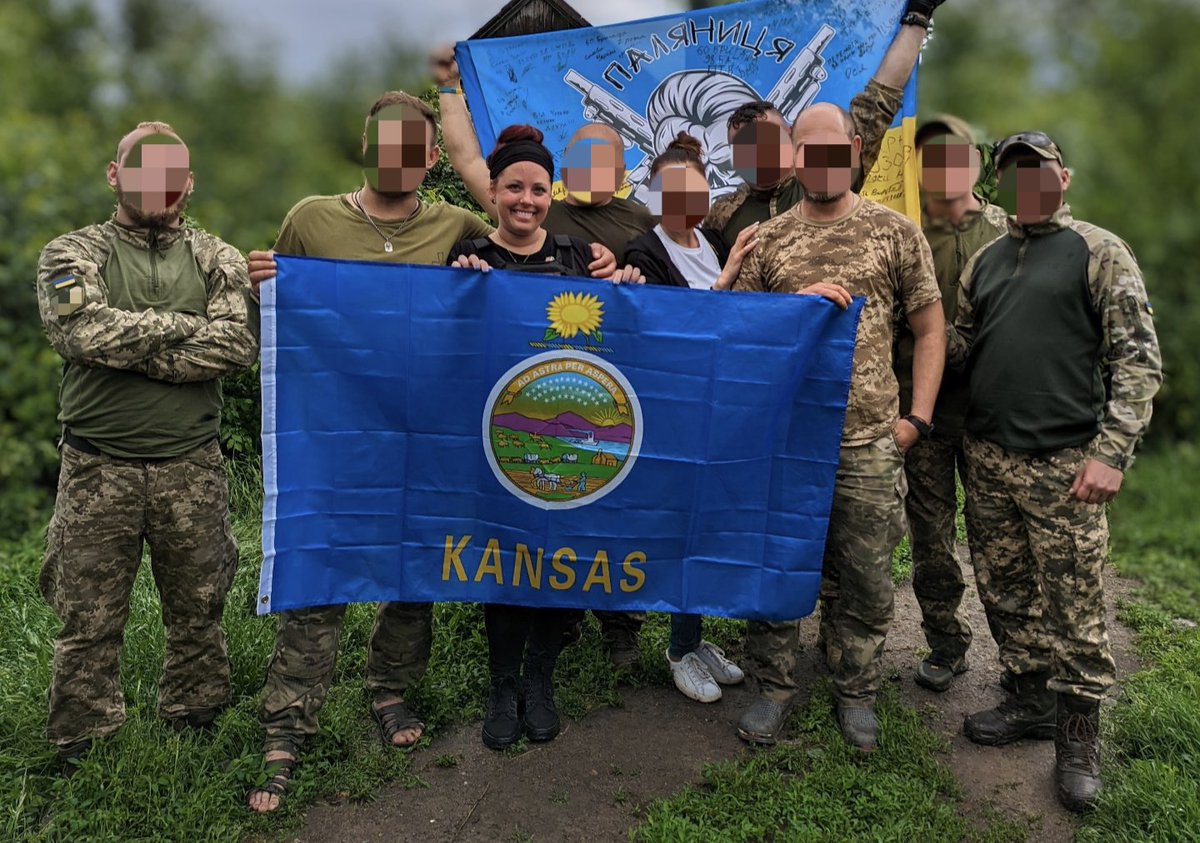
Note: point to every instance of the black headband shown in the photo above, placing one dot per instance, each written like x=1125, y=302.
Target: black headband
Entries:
x=518, y=151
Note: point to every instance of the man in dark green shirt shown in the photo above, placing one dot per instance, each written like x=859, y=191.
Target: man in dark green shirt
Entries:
x=1054, y=328
x=148, y=315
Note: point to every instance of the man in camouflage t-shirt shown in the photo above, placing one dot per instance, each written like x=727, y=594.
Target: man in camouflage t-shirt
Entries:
x=837, y=244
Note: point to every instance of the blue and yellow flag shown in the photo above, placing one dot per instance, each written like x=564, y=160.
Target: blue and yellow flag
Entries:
x=651, y=79
x=437, y=434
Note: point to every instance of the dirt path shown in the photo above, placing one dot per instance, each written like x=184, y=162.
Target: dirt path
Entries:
x=588, y=784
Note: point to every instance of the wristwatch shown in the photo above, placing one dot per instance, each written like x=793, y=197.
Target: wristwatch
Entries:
x=923, y=427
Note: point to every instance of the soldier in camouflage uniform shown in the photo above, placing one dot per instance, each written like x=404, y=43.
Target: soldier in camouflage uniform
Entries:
x=148, y=314
x=957, y=223
x=837, y=244
x=775, y=189
x=1055, y=329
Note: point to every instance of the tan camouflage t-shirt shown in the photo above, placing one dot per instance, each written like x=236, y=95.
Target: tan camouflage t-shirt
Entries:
x=873, y=251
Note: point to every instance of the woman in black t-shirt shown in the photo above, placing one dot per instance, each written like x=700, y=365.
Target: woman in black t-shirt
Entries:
x=523, y=643
x=522, y=171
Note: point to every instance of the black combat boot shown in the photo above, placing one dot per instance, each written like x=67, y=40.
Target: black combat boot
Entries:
x=537, y=689
x=1028, y=713
x=1077, y=752
x=502, y=724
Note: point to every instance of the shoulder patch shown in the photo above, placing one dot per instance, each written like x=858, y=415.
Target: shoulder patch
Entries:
x=70, y=296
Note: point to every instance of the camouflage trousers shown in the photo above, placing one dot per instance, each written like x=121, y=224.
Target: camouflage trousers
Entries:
x=105, y=510
x=931, y=506
x=1039, y=559
x=301, y=669
x=865, y=524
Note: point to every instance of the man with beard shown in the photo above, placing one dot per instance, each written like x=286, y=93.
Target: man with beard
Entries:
x=837, y=245
x=384, y=220
x=148, y=314
x=758, y=133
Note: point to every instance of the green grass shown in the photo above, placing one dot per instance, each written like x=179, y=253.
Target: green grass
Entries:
x=814, y=787
x=148, y=783
x=1152, y=737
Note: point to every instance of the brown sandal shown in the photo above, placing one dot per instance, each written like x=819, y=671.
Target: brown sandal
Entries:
x=396, y=718
x=280, y=775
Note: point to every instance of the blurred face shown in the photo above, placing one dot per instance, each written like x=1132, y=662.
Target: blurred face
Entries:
x=825, y=164
x=762, y=151
x=593, y=168
x=397, y=150
x=1032, y=187
x=949, y=167
x=153, y=179
x=679, y=193
x=522, y=195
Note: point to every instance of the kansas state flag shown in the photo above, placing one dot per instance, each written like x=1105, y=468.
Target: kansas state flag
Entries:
x=438, y=434
x=651, y=79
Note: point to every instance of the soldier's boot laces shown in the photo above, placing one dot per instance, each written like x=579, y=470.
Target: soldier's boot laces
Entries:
x=502, y=724
x=1028, y=713
x=541, y=719
x=1077, y=752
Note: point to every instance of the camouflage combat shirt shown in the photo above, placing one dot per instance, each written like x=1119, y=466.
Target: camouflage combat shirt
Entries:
x=873, y=251
x=148, y=321
x=952, y=246
x=1056, y=332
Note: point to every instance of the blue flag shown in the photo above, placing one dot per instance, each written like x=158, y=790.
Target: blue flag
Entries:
x=438, y=434
x=651, y=79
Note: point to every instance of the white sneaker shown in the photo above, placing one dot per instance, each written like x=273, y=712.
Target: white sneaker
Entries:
x=720, y=668
x=693, y=679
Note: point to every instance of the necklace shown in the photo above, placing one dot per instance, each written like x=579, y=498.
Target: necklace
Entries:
x=514, y=257
x=387, y=238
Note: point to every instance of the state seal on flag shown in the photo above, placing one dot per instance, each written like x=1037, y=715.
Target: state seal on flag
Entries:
x=562, y=429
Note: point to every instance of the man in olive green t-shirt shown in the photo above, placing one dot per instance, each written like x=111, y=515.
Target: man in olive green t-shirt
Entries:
x=384, y=220
x=148, y=314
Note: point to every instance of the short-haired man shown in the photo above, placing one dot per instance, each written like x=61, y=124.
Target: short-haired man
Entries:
x=957, y=222
x=837, y=244
x=757, y=128
x=1055, y=329
x=148, y=314
x=384, y=220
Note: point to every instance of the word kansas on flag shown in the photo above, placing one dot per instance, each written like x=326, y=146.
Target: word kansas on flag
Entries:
x=651, y=79
x=438, y=434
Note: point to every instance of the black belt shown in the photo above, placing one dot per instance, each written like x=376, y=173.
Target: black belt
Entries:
x=81, y=444
x=87, y=447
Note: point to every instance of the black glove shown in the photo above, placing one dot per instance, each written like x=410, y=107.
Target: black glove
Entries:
x=923, y=7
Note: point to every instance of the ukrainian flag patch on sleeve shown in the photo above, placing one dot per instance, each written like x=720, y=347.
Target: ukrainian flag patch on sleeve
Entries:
x=70, y=295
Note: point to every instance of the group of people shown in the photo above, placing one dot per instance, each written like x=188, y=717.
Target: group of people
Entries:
x=1015, y=352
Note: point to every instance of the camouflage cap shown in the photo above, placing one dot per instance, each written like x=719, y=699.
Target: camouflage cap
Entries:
x=1039, y=143
x=944, y=124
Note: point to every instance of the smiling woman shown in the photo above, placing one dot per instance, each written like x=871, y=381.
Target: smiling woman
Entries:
x=522, y=171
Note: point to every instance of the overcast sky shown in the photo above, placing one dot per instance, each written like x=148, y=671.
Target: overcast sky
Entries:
x=309, y=33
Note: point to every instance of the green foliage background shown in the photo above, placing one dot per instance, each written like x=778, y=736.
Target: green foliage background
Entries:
x=72, y=87
x=1113, y=81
